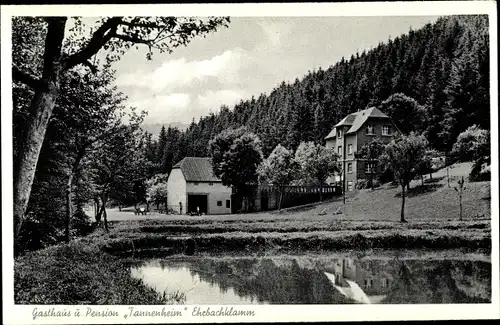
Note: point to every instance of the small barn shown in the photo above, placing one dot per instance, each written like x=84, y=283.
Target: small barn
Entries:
x=192, y=185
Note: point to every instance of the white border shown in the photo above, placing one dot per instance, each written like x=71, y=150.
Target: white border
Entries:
x=279, y=313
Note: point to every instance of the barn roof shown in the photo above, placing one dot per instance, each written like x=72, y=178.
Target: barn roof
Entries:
x=356, y=120
x=197, y=169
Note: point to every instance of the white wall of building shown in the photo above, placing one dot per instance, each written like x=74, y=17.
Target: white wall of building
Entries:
x=176, y=190
x=215, y=192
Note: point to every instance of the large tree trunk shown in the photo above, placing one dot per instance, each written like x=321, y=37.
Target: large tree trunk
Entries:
x=403, y=204
x=321, y=191
x=40, y=112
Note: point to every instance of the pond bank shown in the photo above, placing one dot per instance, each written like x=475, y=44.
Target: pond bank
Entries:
x=161, y=238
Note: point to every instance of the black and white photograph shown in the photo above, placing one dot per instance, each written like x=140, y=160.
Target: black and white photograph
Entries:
x=214, y=165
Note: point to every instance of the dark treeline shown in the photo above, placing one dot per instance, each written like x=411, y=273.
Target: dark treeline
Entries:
x=443, y=67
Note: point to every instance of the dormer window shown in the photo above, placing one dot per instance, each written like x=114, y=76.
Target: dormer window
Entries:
x=339, y=134
x=386, y=130
x=370, y=130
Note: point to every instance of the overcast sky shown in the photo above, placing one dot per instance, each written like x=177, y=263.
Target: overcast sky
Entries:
x=250, y=57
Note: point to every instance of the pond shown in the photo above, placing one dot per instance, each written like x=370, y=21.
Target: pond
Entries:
x=318, y=280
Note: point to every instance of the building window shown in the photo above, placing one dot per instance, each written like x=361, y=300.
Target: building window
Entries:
x=210, y=183
x=386, y=130
x=369, y=130
x=340, y=134
x=219, y=203
x=369, y=168
x=196, y=183
x=385, y=283
x=368, y=283
x=349, y=168
x=350, y=186
x=339, y=150
x=228, y=204
x=349, y=149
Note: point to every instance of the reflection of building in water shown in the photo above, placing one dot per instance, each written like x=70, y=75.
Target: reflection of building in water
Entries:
x=373, y=277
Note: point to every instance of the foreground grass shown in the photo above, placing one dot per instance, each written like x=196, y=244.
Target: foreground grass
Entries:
x=79, y=274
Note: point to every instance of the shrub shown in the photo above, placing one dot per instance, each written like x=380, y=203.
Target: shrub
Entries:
x=36, y=234
x=81, y=224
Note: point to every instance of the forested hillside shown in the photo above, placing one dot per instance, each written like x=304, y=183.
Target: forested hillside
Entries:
x=444, y=67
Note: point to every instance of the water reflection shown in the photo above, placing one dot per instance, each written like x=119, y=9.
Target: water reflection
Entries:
x=322, y=281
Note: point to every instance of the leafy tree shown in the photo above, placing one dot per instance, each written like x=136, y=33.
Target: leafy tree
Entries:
x=115, y=166
x=403, y=155
x=424, y=167
x=235, y=156
x=469, y=143
x=279, y=169
x=89, y=112
x=405, y=112
x=473, y=145
x=156, y=189
x=371, y=152
x=114, y=35
x=316, y=161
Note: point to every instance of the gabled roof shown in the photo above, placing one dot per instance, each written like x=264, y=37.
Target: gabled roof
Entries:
x=348, y=120
x=332, y=134
x=363, y=115
x=356, y=120
x=197, y=169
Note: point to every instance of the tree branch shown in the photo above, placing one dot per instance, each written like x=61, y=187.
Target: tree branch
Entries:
x=21, y=76
x=133, y=39
x=100, y=37
x=92, y=67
